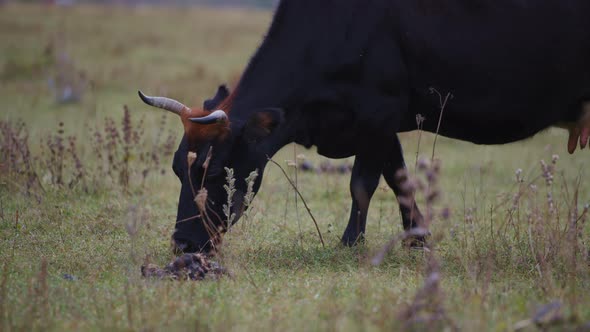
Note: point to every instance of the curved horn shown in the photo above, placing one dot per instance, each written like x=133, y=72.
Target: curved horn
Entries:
x=164, y=103
x=215, y=117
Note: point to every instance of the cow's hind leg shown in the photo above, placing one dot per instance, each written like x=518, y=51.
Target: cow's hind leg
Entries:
x=411, y=216
x=363, y=183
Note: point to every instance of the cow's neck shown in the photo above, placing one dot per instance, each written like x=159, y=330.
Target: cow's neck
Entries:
x=275, y=71
x=309, y=43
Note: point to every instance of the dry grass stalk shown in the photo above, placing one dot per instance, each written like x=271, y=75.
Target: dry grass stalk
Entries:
x=201, y=197
x=420, y=124
x=302, y=199
x=293, y=164
x=442, y=104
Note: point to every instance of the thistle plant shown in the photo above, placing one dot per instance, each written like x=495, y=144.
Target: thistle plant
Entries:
x=230, y=190
x=249, y=196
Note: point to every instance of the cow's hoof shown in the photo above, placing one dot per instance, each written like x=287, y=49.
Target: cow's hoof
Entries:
x=179, y=247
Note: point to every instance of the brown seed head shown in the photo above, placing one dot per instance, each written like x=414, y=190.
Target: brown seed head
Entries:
x=191, y=157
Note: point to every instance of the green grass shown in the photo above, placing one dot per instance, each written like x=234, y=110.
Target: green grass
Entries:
x=494, y=273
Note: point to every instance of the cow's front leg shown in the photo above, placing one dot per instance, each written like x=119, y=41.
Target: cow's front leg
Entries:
x=411, y=216
x=363, y=183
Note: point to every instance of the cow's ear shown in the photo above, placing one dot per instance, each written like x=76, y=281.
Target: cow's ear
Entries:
x=211, y=104
x=262, y=123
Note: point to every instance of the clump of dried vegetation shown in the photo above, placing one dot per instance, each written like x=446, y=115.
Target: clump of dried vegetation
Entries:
x=122, y=155
x=537, y=228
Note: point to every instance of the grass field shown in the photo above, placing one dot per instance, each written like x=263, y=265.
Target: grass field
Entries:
x=72, y=242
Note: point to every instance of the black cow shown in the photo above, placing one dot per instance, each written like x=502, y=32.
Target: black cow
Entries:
x=347, y=75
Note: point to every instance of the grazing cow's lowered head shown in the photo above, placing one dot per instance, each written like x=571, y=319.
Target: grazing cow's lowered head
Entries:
x=212, y=142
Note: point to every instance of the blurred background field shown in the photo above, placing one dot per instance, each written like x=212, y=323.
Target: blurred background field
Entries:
x=87, y=195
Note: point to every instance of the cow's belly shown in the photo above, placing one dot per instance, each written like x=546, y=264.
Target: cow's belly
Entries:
x=494, y=121
x=333, y=130
x=499, y=105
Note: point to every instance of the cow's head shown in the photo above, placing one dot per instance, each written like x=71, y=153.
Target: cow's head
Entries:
x=213, y=140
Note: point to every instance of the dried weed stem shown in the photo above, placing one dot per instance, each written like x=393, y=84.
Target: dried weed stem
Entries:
x=302, y=199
